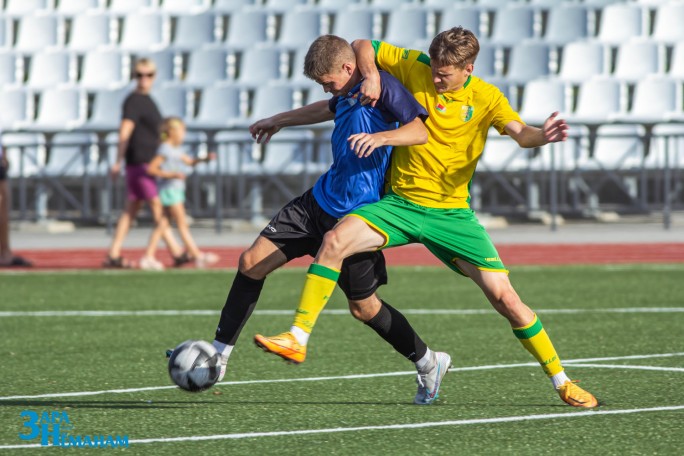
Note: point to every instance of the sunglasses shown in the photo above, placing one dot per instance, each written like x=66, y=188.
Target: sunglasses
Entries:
x=144, y=75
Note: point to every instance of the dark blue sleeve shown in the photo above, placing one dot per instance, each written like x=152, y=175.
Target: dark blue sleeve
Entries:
x=397, y=103
x=332, y=104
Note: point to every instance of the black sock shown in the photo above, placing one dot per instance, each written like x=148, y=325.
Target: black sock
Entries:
x=392, y=326
x=240, y=303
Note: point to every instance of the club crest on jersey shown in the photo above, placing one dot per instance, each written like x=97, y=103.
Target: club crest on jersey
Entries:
x=353, y=99
x=404, y=55
x=440, y=107
x=466, y=113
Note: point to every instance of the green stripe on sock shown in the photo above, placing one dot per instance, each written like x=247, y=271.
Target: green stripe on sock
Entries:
x=530, y=332
x=322, y=271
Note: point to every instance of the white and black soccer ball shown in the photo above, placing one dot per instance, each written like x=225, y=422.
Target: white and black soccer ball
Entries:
x=194, y=365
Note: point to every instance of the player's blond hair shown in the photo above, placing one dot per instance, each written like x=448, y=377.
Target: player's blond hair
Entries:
x=456, y=46
x=168, y=124
x=325, y=55
x=145, y=62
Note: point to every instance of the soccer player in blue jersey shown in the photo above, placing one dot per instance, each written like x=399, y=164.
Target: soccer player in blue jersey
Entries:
x=356, y=178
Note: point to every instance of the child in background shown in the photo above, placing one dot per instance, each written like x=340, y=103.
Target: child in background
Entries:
x=168, y=166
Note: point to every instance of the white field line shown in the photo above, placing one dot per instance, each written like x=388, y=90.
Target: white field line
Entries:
x=199, y=312
x=429, y=424
x=620, y=366
x=337, y=377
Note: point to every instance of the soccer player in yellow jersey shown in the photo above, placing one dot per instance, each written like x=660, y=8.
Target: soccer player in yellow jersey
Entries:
x=429, y=197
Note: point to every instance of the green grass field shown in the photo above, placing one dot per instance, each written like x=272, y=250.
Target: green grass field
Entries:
x=609, y=324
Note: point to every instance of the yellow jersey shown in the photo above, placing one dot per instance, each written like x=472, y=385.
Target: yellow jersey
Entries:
x=438, y=174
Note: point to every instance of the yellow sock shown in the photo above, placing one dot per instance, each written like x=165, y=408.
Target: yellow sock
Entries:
x=319, y=285
x=536, y=341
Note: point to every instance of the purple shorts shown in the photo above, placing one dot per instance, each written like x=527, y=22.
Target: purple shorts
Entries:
x=140, y=185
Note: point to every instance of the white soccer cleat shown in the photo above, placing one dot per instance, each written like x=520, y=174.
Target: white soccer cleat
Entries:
x=430, y=380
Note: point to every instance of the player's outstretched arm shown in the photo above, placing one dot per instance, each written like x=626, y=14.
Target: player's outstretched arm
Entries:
x=553, y=130
x=414, y=132
x=317, y=112
x=365, y=62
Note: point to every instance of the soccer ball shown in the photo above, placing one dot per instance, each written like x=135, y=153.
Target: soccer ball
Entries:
x=194, y=365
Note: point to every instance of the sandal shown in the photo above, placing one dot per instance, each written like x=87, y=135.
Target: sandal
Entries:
x=181, y=260
x=116, y=263
x=17, y=262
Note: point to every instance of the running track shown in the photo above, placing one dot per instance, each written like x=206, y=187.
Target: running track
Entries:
x=513, y=254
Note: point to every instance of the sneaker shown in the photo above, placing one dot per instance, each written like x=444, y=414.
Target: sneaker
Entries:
x=284, y=345
x=151, y=264
x=576, y=396
x=430, y=381
x=206, y=259
x=224, y=364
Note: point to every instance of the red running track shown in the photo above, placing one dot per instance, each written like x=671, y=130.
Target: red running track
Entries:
x=512, y=254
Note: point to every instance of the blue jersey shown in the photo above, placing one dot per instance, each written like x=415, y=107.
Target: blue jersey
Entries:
x=352, y=182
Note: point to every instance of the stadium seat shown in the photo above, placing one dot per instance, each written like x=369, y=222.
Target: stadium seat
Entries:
x=230, y=6
x=35, y=33
x=655, y=100
x=542, y=97
x=618, y=148
x=14, y=113
x=194, y=31
x=103, y=70
x=106, y=110
x=4, y=29
x=620, y=23
x=246, y=28
x=144, y=32
x=270, y=100
x=566, y=23
x=528, y=60
x=59, y=110
x=299, y=29
x=668, y=23
x=512, y=24
x=75, y=7
x=130, y=6
x=219, y=108
x=8, y=68
x=406, y=26
x=486, y=63
x=260, y=65
x=582, y=60
x=676, y=70
x=340, y=4
x=164, y=59
x=281, y=6
x=598, y=101
x=89, y=31
x=463, y=16
x=636, y=60
x=49, y=69
x=185, y=6
x=206, y=67
x=354, y=24
x=172, y=101
x=26, y=7
x=297, y=68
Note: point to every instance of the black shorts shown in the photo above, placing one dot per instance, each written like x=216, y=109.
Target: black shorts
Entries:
x=298, y=230
x=3, y=173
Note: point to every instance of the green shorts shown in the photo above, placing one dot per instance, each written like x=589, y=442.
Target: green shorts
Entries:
x=450, y=234
x=172, y=196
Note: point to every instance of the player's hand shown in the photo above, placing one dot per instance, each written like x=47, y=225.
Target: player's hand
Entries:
x=370, y=90
x=363, y=144
x=115, y=170
x=263, y=130
x=555, y=130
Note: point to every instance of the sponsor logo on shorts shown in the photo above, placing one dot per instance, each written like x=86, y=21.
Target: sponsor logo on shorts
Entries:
x=271, y=228
x=493, y=259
